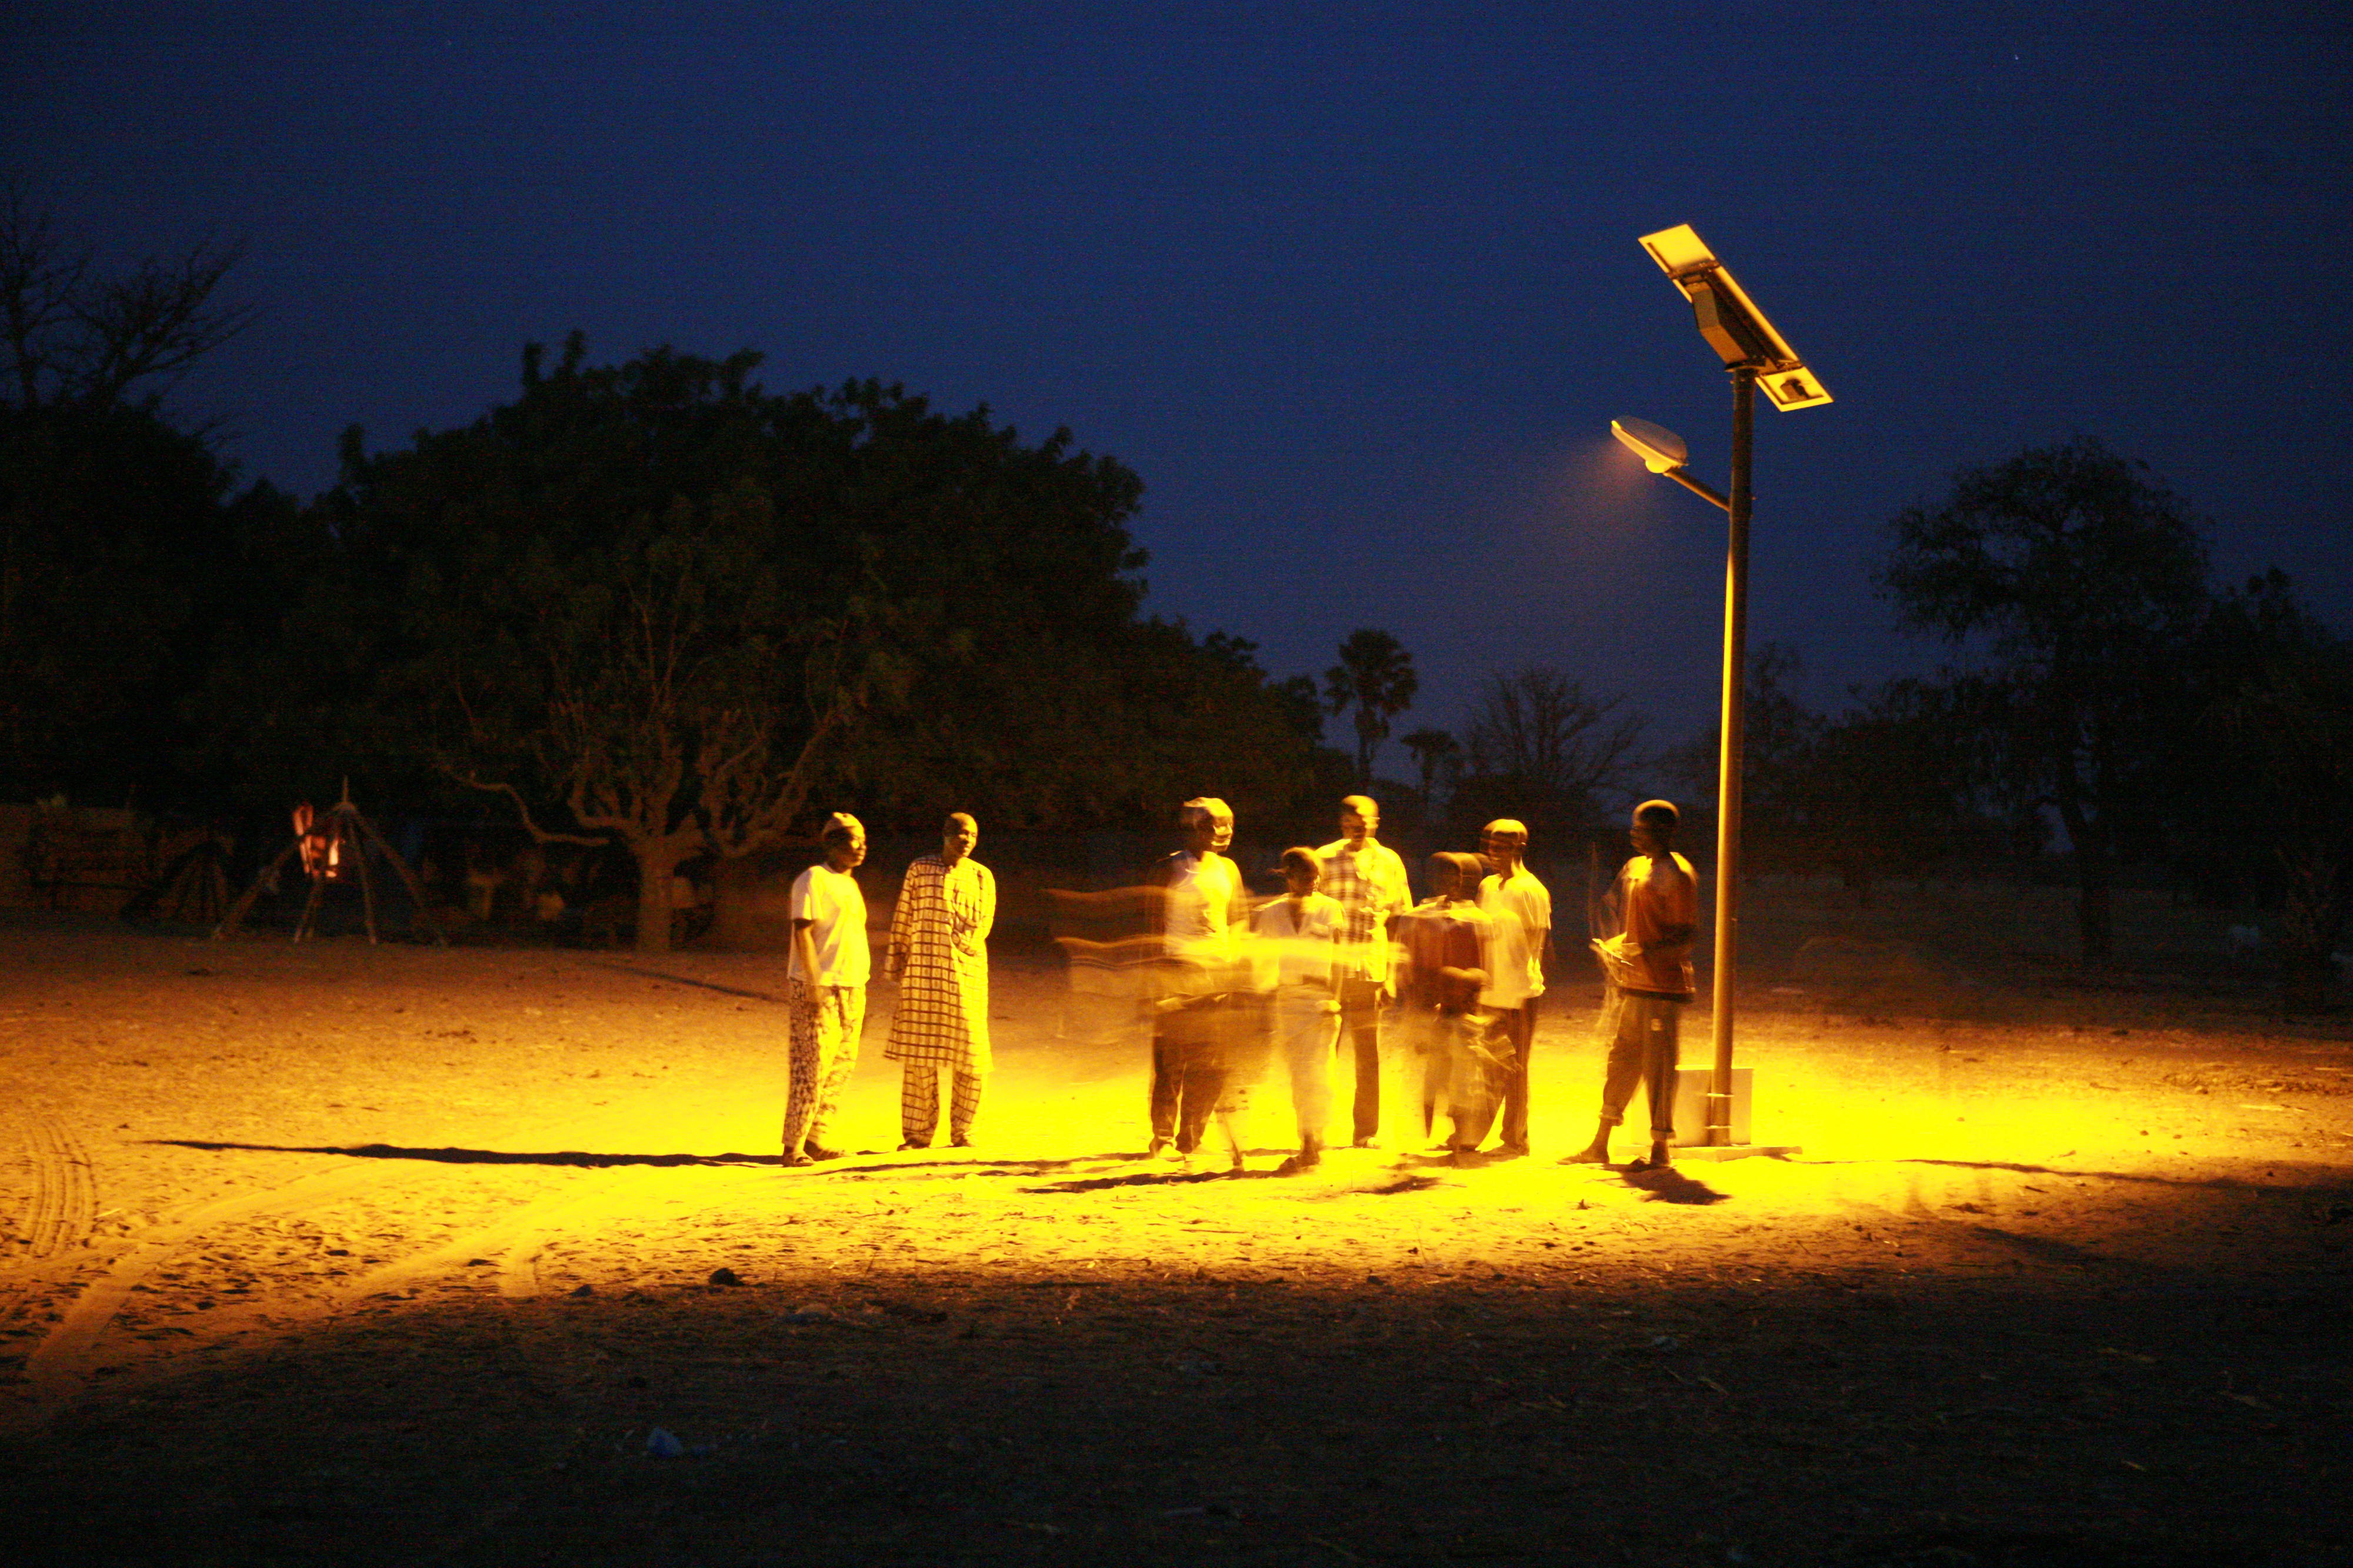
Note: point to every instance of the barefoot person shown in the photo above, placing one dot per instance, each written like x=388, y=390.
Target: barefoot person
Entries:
x=827, y=983
x=1292, y=948
x=1648, y=967
x=1368, y=879
x=1521, y=909
x=938, y=952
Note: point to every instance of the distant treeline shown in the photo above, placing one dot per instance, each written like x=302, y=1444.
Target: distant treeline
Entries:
x=657, y=606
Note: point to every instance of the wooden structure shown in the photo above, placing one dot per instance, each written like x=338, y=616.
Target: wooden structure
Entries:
x=334, y=848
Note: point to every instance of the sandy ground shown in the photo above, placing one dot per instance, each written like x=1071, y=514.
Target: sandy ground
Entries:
x=398, y=1255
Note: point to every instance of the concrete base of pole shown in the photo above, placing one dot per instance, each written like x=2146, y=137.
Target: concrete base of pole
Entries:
x=1686, y=1153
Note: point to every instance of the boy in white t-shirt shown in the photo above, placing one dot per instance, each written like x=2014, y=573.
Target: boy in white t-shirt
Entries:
x=827, y=984
x=1521, y=909
x=1293, y=948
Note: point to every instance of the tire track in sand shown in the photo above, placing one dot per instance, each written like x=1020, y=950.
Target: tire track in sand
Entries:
x=65, y=1197
x=64, y=1206
x=64, y=1360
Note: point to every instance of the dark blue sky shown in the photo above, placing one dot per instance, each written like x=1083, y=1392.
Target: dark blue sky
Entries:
x=1353, y=288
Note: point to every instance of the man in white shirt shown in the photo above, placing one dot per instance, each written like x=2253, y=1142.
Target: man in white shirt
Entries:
x=1203, y=914
x=1368, y=879
x=826, y=987
x=1521, y=910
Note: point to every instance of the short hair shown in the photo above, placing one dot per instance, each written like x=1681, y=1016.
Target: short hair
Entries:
x=1360, y=806
x=840, y=827
x=960, y=818
x=1505, y=828
x=1659, y=815
x=1299, y=856
x=1201, y=806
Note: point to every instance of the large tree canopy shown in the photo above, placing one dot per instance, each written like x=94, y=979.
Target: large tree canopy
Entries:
x=653, y=602
x=2074, y=583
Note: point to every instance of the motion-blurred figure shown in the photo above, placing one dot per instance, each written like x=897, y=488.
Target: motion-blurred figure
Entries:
x=1368, y=879
x=1520, y=909
x=826, y=986
x=938, y=952
x=1648, y=967
x=1446, y=940
x=1295, y=938
x=1204, y=911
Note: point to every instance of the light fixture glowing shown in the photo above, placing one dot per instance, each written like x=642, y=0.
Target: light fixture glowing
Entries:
x=1660, y=449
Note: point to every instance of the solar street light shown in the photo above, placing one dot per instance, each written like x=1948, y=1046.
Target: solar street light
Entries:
x=1756, y=354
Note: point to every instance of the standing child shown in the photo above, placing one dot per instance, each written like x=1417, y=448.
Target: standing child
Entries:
x=1445, y=940
x=1294, y=946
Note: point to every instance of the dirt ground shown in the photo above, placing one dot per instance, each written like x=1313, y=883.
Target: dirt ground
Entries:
x=398, y=1254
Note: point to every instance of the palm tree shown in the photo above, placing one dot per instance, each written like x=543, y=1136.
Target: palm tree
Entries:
x=1375, y=677
x=1437, y=751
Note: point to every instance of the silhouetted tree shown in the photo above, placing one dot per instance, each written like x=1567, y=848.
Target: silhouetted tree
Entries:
x=2264, y=784
x=2075, y=583
x=1543, y=749
x=127, y=550
x=2290, y=726
x=1374, y=677
x=1439, y=755
x=77, y=335
x=650, y=602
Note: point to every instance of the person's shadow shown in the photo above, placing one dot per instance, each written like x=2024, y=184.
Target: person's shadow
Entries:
x=1668, y=1184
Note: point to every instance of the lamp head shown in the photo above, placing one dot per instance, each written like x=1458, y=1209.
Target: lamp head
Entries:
x=1660, y=449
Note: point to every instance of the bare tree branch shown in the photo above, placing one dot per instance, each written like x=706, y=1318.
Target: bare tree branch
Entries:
x=75, y=334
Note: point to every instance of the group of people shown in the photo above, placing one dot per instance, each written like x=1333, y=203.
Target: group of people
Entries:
x=1312, y=978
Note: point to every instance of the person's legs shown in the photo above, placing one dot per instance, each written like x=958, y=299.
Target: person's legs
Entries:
x=1662, y=1054
x=1622, y=1022
x=1520, y=1024
x=1483, y=1064
x=800, y=1093
x=963, y=1107
x=1360, y=1025
x=1437, y=1069
x=841, y=1019
x=1168, y=1076
x=1201, y=1075
x=1308, y=1030
x=919, y=1102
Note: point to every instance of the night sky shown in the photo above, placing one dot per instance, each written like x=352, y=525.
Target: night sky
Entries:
x=1355, y=289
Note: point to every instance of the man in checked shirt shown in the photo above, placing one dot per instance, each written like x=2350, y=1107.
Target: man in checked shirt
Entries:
x=1368, y=879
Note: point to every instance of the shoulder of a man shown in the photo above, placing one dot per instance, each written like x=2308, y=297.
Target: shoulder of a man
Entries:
x=1533, y=891
x=818, y=894
x=1328, y=850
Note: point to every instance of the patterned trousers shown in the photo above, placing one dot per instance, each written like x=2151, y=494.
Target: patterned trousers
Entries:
x=918, y=1101
x=827, y=1023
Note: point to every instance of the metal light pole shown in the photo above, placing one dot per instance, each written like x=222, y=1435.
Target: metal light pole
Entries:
x=1728, y=754
x=1754, y=353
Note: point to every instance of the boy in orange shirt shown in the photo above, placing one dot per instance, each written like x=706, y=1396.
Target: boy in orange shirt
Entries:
x=1650, y=982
